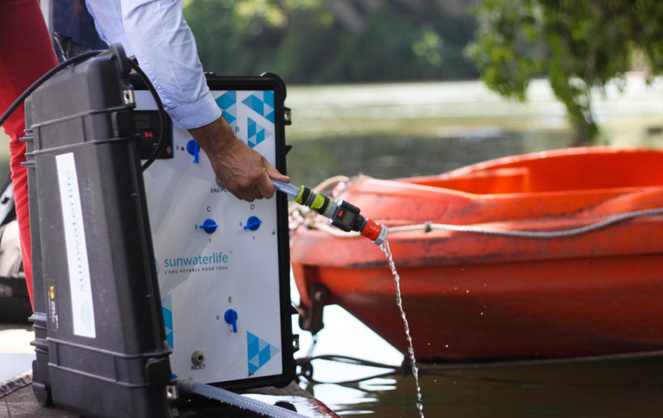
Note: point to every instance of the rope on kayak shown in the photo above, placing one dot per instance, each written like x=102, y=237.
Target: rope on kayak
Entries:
x=429, y=226
x=531, y=234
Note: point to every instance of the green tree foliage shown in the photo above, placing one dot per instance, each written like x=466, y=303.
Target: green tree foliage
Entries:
x=579, y=44
x=303, y=41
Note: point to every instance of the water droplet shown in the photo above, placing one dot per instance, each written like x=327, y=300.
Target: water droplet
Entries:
x=467, y=291
x=481, y=313
x=447, y=345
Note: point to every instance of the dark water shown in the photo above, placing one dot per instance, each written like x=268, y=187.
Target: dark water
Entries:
x=606, y=388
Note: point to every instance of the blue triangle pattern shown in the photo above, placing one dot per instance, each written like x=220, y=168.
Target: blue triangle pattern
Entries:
x=262, y=103
x=258, y=105
x=255, y=361
x=269, y=98
x=229, y=117
x=252, y=128
x=167, y=318
x=267, y=110
x=259, y=352
x=256, y=133
x=166, y=309
x=252, y=345
x=260, y=136
x=167, y=302
x=250, y=338
x=227, y=99
x=265, y=355
x=252, y=369
x=255, y=103
x=274, y=350
x=248, y=101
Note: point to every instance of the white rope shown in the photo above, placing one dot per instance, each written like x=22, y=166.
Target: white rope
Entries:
x=329, y=182
x=428, y=226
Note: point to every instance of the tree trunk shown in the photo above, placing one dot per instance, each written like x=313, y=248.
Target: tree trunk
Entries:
x=586, y=132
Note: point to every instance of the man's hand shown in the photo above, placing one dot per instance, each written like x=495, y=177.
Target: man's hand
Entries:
x=244, y=172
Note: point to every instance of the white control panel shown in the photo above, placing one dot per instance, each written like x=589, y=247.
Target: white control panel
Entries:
x=217, y=257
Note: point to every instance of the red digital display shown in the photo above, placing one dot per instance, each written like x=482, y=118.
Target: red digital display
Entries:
x=148, y=134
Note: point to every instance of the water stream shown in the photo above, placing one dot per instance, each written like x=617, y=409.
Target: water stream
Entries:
x=399, y=301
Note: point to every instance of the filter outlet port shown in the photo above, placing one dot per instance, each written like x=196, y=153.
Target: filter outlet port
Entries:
x=197, y=358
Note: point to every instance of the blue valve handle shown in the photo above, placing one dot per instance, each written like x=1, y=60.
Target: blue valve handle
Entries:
x=253, y=223
x=231, y=318
x=193, y=148
x=209, y=226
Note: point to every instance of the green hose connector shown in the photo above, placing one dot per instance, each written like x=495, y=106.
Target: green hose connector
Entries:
x=317, y=202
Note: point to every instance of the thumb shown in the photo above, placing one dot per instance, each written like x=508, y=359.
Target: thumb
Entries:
x=275, y=174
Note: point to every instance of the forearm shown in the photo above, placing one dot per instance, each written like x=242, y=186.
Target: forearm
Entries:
x=166, y=50
x=214, y=138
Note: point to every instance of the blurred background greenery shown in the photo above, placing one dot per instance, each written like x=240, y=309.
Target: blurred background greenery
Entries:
x=316, y=41
x=580, y=45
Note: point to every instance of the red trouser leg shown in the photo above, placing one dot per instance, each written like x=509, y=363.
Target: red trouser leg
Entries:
x=26, y=53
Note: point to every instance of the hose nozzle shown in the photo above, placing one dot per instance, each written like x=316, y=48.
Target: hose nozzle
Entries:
x=375, y=232
x=341, y=214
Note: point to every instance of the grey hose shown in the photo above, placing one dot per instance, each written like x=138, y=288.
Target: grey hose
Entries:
x=234, y=399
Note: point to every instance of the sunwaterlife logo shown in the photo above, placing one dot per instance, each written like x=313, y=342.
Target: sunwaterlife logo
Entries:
x=202, y=262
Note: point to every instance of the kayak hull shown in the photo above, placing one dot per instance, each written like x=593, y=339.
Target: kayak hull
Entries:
x=472, y=296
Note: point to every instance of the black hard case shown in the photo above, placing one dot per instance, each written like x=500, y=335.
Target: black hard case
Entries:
x=87, y=110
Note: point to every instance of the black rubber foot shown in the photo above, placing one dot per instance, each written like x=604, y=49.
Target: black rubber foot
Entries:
x=42, y=393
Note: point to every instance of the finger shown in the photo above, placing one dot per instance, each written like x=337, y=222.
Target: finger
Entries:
x=265, y=186
x=257, y=194
x=244, y=195
x=275, y=174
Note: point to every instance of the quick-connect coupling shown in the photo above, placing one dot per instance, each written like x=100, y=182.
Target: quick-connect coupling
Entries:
x=316, y=202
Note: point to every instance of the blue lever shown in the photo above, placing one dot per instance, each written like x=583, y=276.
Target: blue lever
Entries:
x=253, y=223
x=231, y=318
x=209, y=226
x=193, y=148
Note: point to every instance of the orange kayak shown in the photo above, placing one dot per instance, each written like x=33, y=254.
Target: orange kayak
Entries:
x=475, y=296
